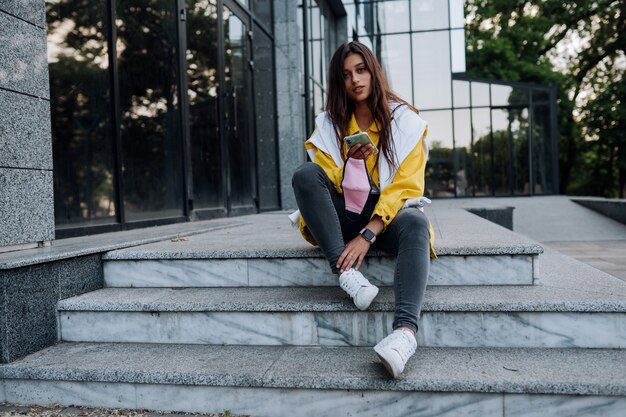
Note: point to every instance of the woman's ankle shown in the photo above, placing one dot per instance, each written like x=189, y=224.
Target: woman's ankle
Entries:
x=406, y=329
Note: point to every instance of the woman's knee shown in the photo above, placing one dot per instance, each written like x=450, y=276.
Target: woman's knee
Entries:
x=412, y=223
x=306, y=172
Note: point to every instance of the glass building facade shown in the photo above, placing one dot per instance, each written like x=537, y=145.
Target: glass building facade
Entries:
x=167, y=111
x=487, y=137
x=158, y=110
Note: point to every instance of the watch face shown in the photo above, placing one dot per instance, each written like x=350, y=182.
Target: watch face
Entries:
x=368, y=234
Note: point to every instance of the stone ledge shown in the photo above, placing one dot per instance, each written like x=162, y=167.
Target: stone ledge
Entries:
x=502, y=370
x=463, y=234
x=500, y=215
x=612, y=208
x=269, y=235
x=318, y=299
x=96, y=244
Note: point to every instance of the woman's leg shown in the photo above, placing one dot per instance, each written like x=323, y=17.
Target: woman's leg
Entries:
x=323, y=210
x=408, y=236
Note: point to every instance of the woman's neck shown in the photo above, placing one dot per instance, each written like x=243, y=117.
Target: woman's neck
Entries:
x=363, y=115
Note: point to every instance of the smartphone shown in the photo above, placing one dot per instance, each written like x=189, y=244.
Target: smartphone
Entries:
x=360, y=138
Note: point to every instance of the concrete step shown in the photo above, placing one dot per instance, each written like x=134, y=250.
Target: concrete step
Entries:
x=268, y=252
x=287, y=381
x=506, y=316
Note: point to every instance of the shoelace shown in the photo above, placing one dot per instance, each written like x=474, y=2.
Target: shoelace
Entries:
x=353, y=283
x=401, y=343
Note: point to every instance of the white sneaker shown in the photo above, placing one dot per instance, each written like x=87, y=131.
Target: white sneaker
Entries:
x=357, y=287
x=395, y=350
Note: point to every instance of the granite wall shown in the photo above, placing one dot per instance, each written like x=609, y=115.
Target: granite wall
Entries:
x=290, y=100
x=29, y=297
x=26, y=187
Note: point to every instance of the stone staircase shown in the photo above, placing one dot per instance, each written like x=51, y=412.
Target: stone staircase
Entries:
x=248, y=318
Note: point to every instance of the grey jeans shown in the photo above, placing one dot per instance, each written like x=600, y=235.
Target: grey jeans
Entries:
x=407, y=237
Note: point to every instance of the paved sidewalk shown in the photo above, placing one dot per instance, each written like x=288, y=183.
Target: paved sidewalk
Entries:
x=606, y=255
x=563, y=225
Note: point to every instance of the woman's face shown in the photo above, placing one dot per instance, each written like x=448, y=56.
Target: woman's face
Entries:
x=356, y=78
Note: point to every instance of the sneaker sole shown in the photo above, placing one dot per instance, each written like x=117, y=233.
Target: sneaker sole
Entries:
x=388, y=366
x=371, y=298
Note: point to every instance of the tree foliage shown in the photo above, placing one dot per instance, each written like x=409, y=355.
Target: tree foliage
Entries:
x=579, y=48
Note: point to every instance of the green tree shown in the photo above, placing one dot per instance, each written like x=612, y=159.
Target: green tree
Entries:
x=570, y=45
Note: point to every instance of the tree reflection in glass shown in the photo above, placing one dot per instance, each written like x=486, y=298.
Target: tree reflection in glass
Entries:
x=237, y=111
x=481, y=151
x=80, y=106
x=202, y=93
x=149, y=112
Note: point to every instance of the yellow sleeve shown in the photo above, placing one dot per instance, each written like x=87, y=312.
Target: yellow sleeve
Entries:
x=407, y=183
x=334, y=173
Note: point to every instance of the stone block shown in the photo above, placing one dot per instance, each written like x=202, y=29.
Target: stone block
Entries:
x=3, y=327
x=30, y=311
x=33, y=11
x=29, y=301
x=24, y=132
x=612, y=208
x=498, y=215
x=23, y=56
x=79, y=275
x=26, y=206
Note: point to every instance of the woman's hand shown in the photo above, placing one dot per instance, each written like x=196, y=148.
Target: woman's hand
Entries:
x=359, y=151
x=355, y=250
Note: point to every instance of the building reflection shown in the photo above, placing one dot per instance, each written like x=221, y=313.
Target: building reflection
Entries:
x=147, y=123
x=487, y=137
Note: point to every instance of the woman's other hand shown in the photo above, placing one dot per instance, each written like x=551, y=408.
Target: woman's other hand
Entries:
x=359, y=151
x=355, y=251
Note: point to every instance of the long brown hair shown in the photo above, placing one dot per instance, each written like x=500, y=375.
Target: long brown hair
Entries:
x=340, y=108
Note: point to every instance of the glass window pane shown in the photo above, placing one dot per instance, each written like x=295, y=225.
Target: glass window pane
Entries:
x=500, y=94
x=265, y=121
x=503, y=170
x=504, y=95
x=481, y=151
x=480, y=94
x=263, y=10
x=431, y=71
x=439, y=169
x=463, y=152
x=521, y=167
x=541, y=97
x=314, y=21
x=510, y=143
x=396, y=64
x=80, y=103
x=237, y=112
x=542, y=150
x=202, y=73
x=461, y=91
x=149, y=109
x=350, y=20
x=393, y=16
x=429, y=14
x=363, y=17
x=316, y=59
x=367, y=14
x=458, y=50
x=457, y=19
x=318, y=99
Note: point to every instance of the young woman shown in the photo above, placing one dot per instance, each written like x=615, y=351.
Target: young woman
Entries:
x=359, y=100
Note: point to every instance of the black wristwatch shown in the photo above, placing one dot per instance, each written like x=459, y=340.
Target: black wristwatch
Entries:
x=368, y=235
